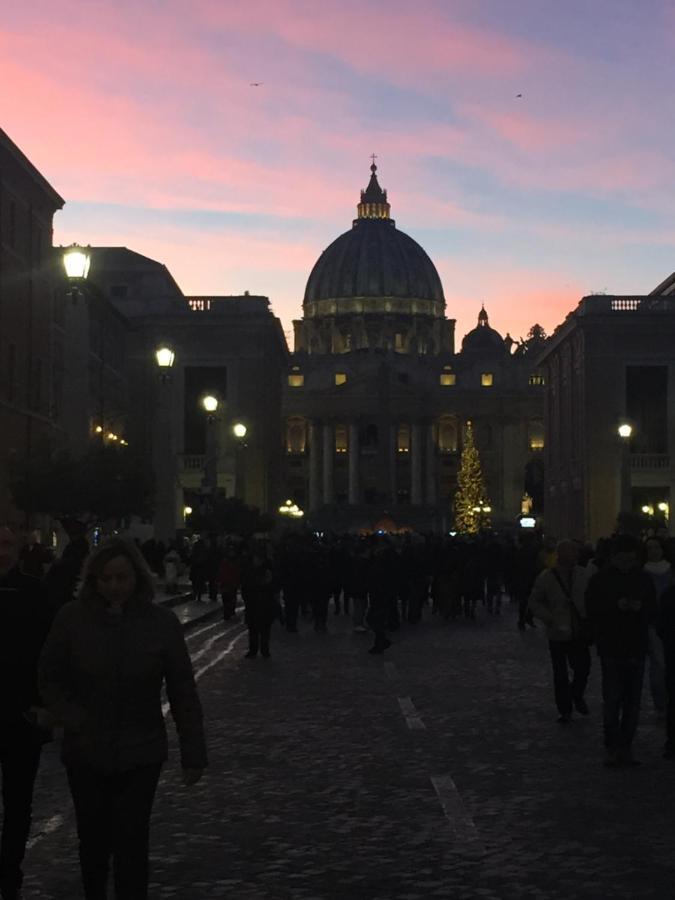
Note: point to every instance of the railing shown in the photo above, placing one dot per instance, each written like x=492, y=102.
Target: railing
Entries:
x=646, y=461
x=193, y=461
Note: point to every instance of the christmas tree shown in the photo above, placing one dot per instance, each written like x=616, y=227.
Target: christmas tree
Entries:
x=472, y=508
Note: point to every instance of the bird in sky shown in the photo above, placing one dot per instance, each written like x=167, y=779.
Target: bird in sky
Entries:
x=255, y=83
x=518, y=95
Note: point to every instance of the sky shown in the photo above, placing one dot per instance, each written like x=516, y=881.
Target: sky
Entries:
x=143, y=117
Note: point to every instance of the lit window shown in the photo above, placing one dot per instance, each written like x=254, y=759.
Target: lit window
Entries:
x=448, y=379
x=340, y=378
x=403, y=442
x=447, y=434
x=295, y=436
x=537, y=379
x=296, y=380
x=340, y=438
x=536, y=434
x=398, y=341
x=486, y=379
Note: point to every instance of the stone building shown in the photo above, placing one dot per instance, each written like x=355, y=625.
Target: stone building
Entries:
x=610, y=362
x=232, y=346
x=27, y=206
x=376, y=399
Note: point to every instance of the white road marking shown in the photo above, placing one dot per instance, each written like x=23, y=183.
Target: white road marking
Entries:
x=462, y=826
x=412, y=717
x=194, y=634
x=198, y=674
x=46, y=828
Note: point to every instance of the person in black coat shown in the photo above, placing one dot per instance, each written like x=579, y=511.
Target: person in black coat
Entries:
x=24, y=623
x=620, y=606
x=665, y=628
x=260, y=604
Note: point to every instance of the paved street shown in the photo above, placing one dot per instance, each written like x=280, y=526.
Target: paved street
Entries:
x=436, y=770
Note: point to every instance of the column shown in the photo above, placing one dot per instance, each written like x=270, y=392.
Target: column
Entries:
x=353, y=490
x=314, y=467
x=431, y=466
x=416, y=464
x=328, y=457
x=164, y=461
x=392, y=456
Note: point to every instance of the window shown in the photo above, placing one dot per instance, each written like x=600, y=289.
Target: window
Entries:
x=348, y=342
x=447, y=435
x=448, y=379
x=403, y=438
x=536, y=434
x=398, y=342
x=340, y=438
x=486, y=379
x=340, y=378
x=296, y=380
x=296, y=436
x=537, y=380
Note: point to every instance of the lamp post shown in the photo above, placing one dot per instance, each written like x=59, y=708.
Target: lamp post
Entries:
x=165, y=515
x=76, y=262
x=239, y=430
x=625, y=432
x=210, y=404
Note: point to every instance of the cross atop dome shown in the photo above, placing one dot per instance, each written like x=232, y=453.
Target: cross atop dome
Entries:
x=483, y=320
x=373, y=203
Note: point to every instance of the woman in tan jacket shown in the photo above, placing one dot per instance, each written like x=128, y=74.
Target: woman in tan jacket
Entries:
x=101, y=674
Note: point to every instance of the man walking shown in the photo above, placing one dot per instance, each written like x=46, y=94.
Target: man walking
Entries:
x=621, y=604
x=558, y=600
x=24, y=622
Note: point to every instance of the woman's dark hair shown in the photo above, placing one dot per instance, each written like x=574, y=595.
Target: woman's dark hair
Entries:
x=98, y=559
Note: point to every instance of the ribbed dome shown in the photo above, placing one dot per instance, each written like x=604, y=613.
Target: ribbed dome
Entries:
x=374, y=259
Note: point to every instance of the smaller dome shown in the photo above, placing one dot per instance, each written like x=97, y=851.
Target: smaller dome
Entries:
x=483, y=339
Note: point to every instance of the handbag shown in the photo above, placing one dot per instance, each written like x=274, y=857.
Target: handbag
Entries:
x=582, y=629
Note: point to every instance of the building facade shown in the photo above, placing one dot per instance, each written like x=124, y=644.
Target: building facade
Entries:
x=610, y=363
x=27, y=206
x=229, y=346
x=376, y=399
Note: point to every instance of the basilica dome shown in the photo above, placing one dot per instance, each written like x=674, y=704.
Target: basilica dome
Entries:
x=484, y=339
x=374, y=260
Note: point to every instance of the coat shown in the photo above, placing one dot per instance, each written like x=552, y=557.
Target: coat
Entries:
x=621, y=607
x=101, y=676
x=24, y=623
x=550, y=604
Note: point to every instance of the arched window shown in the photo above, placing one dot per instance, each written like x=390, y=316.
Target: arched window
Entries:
x=536, y=434
x=340, y=438
x=403, y=441
x=447, y=434
x=296, y=435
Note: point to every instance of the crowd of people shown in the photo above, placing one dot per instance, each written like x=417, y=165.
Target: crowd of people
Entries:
x=84, y=648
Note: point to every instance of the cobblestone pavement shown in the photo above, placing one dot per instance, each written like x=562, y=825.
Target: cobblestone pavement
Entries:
x=435, y=770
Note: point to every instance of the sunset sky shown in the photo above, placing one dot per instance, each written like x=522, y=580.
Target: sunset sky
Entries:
x=141, y=114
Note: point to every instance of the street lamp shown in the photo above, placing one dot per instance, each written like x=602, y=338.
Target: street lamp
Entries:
x=625, y=432
x=76, y=261
x=210, y=404
x=164, y=356
x=239, y=430
x=291, y=510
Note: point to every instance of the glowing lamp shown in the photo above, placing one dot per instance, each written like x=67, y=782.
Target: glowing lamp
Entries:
x=165, y=357
x=240, y=430
x=210, y=403
x=625, y=430
x=76, y=262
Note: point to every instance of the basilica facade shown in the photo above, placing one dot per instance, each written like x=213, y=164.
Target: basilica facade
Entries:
x=376, y=398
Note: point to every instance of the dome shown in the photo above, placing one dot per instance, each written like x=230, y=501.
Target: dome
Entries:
x=374, y=259
x=483, y=339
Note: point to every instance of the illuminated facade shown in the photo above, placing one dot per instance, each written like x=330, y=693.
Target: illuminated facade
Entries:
x=376, y=398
